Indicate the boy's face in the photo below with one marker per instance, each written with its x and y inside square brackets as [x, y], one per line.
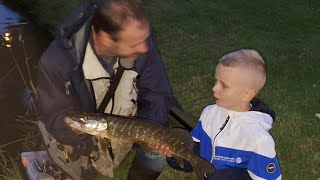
[229, 90]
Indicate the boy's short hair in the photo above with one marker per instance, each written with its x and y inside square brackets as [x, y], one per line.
[250, 60]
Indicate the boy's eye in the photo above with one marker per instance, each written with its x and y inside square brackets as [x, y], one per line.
[224, 85]
[221, 83]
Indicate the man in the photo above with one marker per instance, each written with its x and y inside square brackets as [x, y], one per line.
[95, 43]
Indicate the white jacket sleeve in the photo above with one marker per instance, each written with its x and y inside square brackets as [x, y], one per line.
[264, 163]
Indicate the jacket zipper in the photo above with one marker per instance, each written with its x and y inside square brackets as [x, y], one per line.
[221, 128]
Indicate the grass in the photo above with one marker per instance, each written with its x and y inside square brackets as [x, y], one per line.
[8, 166]
[193, 35]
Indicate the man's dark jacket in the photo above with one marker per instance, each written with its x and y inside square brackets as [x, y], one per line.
[62, 87]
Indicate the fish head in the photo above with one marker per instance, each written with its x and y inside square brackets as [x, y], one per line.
[87, 123]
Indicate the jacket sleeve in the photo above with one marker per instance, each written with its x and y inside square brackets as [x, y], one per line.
[219, 174]
[264, 163]
[155, 96]
[173, 163]
[53, 99]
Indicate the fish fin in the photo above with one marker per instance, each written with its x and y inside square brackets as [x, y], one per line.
[145, 146]
[103, 142]
[184, 137]
[202, 167]
[199, 174]
[179, 160]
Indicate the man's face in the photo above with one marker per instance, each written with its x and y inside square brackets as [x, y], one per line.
[131, 42]
[228, 89]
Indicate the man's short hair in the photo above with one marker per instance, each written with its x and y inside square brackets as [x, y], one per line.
[110, 16]
[248, 59]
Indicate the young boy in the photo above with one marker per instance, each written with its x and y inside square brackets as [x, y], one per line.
[233, 134]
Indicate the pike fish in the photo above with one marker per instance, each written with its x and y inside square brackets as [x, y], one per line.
[141, 131]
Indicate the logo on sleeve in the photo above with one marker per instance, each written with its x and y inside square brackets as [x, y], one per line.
[271, 167]
[238, 160]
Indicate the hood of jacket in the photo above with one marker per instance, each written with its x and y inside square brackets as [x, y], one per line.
[263, 119]
[74, 32]
[259, 113]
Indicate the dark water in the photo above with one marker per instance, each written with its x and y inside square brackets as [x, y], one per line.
[21, 45]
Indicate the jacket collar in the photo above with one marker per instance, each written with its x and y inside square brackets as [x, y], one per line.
[74, 33]
[92, 68]
[263, 119]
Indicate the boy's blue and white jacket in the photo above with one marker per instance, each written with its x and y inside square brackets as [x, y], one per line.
[230, 139]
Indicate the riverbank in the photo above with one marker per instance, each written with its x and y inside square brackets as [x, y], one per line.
[193, 35]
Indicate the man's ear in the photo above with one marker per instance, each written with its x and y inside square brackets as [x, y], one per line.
[100, 34]
[249, 94]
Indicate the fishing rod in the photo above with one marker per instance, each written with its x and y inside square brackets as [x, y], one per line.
[8, 43]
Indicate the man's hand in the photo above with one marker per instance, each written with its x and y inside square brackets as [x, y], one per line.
[163, 150]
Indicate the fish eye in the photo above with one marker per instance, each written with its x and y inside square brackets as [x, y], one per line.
[101, 127]
[90, 124]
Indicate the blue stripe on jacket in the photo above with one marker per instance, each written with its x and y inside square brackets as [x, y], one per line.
[205, 145]
[262, 166]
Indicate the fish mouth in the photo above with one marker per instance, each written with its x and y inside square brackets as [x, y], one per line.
[73, 122]
[85, 124]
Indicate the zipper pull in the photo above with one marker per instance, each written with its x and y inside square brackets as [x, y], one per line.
[67, 87]
[225, 123]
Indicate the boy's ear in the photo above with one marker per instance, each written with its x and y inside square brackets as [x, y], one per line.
[249, 94]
